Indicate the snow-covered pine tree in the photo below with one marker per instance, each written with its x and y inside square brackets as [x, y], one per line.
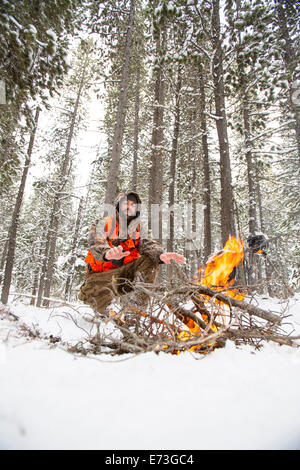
[33, 61]
[13, 230]
[69, 119]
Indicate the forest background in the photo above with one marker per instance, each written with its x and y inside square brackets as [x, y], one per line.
[187, 102]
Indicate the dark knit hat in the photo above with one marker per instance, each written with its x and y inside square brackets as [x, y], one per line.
[132, 197]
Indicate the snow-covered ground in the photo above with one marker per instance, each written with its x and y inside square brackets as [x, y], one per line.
[233, 398]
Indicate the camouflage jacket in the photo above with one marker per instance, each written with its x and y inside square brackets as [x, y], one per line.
[98, 243]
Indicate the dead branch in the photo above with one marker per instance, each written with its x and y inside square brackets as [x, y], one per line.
[242, 305]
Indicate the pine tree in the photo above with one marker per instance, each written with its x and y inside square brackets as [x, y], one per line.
[13, 231]
[121, 112]
[33, 61]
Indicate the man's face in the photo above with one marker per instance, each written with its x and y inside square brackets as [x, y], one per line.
[128, 208]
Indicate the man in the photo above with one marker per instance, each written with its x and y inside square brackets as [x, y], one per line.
[121, 254]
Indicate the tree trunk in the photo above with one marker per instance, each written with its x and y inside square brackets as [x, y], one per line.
[263, 228]
[36, 272]
[45, 263]
[291, 61]
[170, 241]
[155, 186]
[62, 180]
[196, 256]
[259, 200]
[252, 216]
[121, 114]
[35, 286]
[3, 258]
[73, 252]
[252, 223]
[16, 217]
[136, 129]
[206, 171]
[227, 209]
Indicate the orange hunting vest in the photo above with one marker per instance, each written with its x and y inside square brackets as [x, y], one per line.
[130, 244]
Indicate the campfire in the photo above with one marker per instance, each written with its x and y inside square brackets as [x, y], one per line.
[196, 315]
[218, 274]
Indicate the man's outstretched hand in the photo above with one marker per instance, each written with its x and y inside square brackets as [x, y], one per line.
[116, 253]
[166, 257]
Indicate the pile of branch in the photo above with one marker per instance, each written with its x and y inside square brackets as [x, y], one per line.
[183, 316]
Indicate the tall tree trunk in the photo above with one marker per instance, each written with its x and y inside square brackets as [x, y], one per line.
[155, 186]
[227, 208]
[196, 252]
[62, 180]
[193, 253]
[121, 114]
[13, 231]
[262, 228]
[3, 258]
[206, 171]
[136, 129]
[291, 61]
[259, 200]
[36, 272]
[45, 263]
[252, 217]
[250, 171]
[73, 252]
[252, 221]
[35, 285]
[170, 241]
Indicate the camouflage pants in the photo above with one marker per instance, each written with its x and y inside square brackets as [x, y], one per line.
[97, 290]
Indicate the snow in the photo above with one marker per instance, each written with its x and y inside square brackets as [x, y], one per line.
[32, 28]
[233, 398]
[15, 22]
[52, 34]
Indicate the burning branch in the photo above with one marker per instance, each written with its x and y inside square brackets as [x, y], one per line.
[232, 302]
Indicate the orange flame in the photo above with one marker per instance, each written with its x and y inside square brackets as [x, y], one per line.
[194, 331]
[219, 268]
[218, 275]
